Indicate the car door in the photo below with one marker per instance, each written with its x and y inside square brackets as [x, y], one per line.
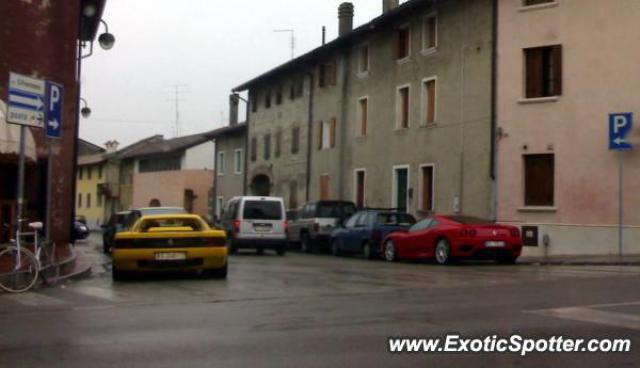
[349, 236]
[417, 239]
[364, 229]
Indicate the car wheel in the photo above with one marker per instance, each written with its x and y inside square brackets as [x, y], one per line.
[305, 243]
[216, 273]
[367, 251]
[260, 251]
[335, 248]
[282, 250]
[390, 253]
[507, 260]
[443, 252]
[117, 275]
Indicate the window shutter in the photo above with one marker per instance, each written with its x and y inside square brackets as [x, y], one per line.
[332, 71]
[534, 67]
[431, 101]
[332, 137]
[320, 134]
[557, 69]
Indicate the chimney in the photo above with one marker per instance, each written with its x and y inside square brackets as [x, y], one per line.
[111, 146]
[345, 16]
[388, 5]
[234, 100]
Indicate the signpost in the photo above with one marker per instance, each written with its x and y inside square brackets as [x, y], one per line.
[620, 125]
[32, 102]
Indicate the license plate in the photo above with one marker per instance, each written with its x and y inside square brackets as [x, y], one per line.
[262, 229]
[168, 256]
[494, 244]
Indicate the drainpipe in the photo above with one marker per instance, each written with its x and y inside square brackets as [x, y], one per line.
[462, 132]
[246, 146]
[309, 134]
[493, 170]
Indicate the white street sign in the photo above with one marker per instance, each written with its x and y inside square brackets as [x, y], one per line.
[26, 100]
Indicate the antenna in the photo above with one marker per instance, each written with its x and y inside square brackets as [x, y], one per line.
[178, 89]
[293, 39]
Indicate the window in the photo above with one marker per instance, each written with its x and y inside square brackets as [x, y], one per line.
[359, 182]
[254, 149]
[400, 198]
[79, 200]
[221, 163]
[297, 88]
[363, 115]
[267, 99]
[267, 146]
[327, 134]
[543, 71]
[89, 170]
[254, 102]
[536, 2]
[327, 74]
[292, 91]
[279, 96]
[295, 140]
[324, 187]
[539, 180]
[278, 143]
[426, 187]
[363, 59]
[430, 33]
[429, 101]
[80, 173]
[237, 161]
[100, 172]
[171, 163]
[99, 200]
[88, 200]
[219, 206]
[402, 107]
[403, 43]
[262, 210]
[293, 194]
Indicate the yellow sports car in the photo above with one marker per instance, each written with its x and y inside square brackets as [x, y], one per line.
[178, 242]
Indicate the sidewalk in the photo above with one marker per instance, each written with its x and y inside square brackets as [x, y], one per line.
[611, 260]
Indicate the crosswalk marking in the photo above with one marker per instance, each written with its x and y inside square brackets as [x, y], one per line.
[34, 299]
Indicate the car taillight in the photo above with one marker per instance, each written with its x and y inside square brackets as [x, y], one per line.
[286, 226]
[468, 232]
[236, 226]
[316, 227]
[376, 236]
[515, 232]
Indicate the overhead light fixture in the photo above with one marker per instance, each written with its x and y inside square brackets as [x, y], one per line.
[89, 10]
[85, 111]
[106, 40]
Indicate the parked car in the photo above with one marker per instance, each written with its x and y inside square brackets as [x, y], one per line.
[364, 231]
[80, 231]
[447, 238]
[176, 242]
[118, 222]
[255, 223]
[317, 221]
[81, 219]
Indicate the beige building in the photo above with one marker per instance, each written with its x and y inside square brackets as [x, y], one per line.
[230, 147]
[564, 66]
[395, 113]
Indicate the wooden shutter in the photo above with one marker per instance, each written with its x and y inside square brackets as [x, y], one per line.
[320, 133]
[431, 101]
[404, 106]
[557, 69]
[364, 107]
[324, 187]
[539, 180]
[533, 72]
[332, 136]
[427, 188]
[432, 29]
[295, 140]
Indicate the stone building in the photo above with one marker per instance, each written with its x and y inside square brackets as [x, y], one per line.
[395, 113]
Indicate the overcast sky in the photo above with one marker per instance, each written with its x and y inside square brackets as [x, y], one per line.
[206, 46]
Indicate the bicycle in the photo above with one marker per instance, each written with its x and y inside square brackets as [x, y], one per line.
[19, 266]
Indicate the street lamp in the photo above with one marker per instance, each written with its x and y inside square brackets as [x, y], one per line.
[85, 111]
[106, 40]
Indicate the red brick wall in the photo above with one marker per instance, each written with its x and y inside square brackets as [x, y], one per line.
[39, 38]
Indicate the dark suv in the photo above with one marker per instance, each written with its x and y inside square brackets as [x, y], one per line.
[316, 221]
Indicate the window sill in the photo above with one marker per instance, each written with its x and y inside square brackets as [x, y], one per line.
[429, 51]
[538, 100]
[399, 129]
[403, 60]
[429, 125]
[538, 209]
[363, 75]
[552, 4]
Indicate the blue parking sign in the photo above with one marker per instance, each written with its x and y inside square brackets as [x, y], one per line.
[620, 125]
[53, 113]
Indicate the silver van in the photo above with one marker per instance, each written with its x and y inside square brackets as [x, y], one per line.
[255, 223]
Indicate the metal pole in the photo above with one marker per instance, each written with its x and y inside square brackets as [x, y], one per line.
[23, 132]
[620, 201]
[49, 187]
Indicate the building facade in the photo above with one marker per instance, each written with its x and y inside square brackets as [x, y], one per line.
[558, 82]
[395, 113]
[230, 148]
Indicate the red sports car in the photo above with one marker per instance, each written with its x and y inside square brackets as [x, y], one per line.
[447, 238]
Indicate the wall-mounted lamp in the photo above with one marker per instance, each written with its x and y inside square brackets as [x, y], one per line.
[106, 40]
[85, 111]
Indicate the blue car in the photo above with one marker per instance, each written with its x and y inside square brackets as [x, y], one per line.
[364, 231]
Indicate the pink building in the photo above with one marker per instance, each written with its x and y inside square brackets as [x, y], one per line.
[563, 67]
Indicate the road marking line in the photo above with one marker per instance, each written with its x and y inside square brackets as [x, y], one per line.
[97, 292]
[584, 314]
[34, 299]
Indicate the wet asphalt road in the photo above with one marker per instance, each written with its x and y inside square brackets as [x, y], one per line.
[317, 311]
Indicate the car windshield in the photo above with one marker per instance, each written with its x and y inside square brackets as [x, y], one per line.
[161, 211]
[262, 210]
[335, 210]
[470, 220]
[397, 219]
[167, 223]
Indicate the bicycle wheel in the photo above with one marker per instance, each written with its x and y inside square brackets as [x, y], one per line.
[14, 277]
